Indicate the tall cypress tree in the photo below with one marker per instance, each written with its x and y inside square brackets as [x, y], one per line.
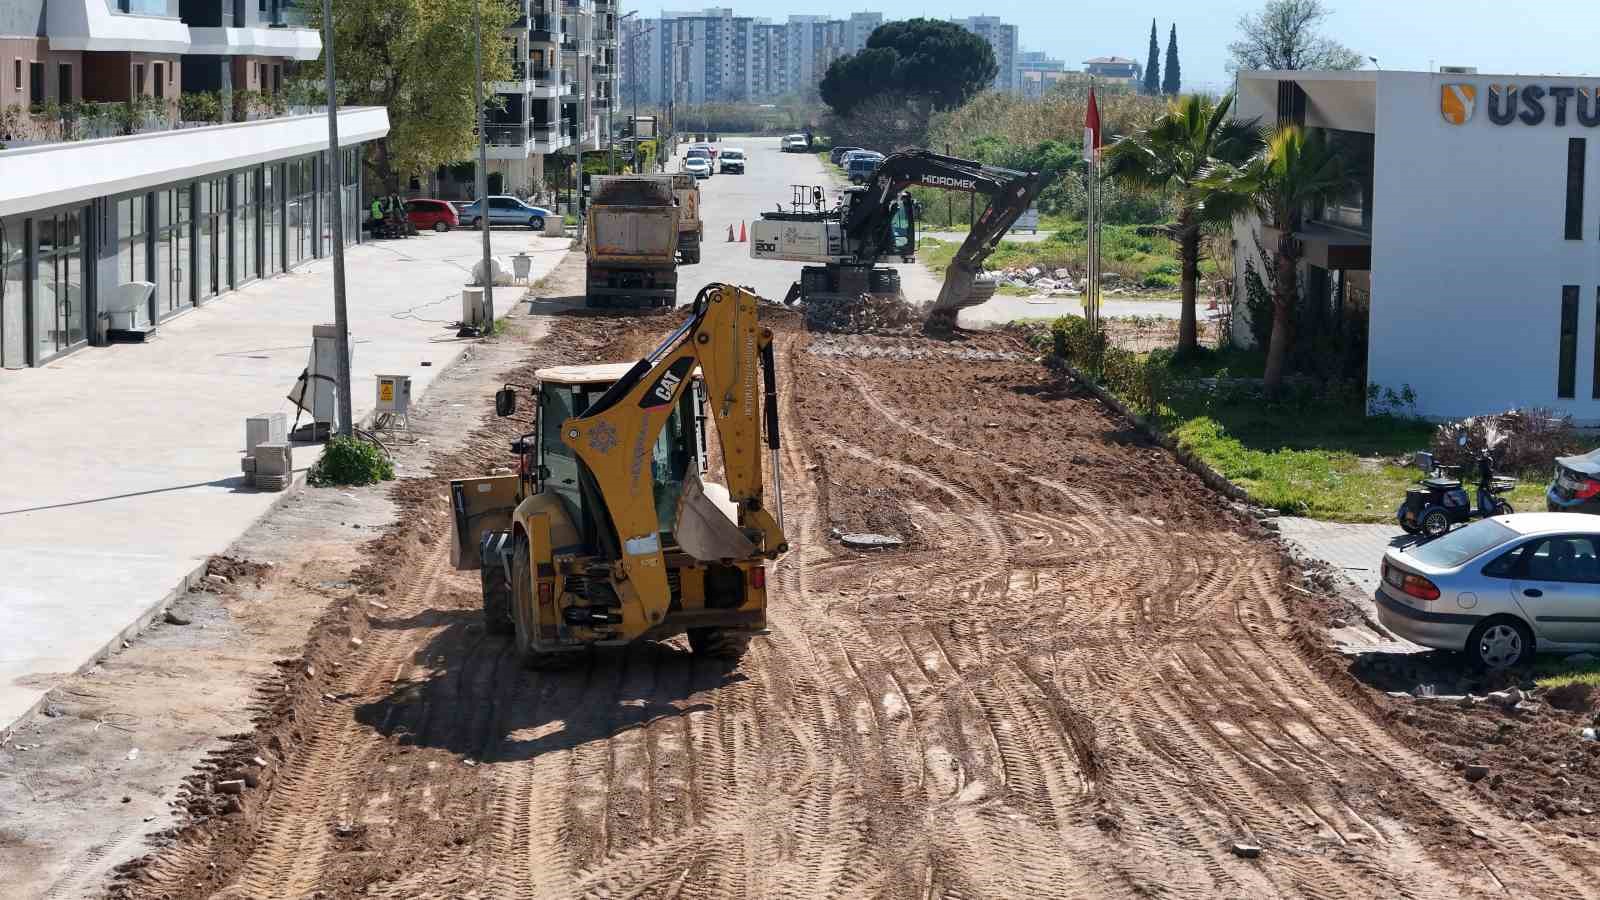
[1152, 69]
[1172, 82]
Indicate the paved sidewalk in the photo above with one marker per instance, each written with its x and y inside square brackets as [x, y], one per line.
[122, 463]
[1356, 552]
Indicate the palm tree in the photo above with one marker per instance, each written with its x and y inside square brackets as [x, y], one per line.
[1172, 157]
[1293, 171]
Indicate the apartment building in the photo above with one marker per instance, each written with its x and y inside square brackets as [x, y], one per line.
[1114, 70]
[121, 205]
[561, 98]
[562, 93]
[1003, 39]
[1038, 71]
[715, 55]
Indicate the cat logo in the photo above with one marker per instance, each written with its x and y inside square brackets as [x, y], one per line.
[1457, 102]
[669, 383]
[662, 392]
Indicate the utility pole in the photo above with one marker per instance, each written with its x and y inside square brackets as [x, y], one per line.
[482, 185]
[341, 315]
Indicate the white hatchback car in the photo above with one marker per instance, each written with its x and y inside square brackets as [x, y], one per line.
[1499, 589]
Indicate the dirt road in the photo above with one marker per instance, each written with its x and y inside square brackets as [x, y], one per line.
[1086, 676]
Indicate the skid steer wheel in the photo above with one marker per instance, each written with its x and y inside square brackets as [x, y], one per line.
[524, 616]
[496, 600]
[718, 643]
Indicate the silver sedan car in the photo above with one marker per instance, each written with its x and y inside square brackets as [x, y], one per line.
[1499, 589]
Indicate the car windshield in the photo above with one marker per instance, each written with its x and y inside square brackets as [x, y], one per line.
[1455, 548]
[733, 154]
[698, 153]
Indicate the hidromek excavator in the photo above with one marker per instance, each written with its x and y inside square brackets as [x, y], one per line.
[606, 533]
[879, 220]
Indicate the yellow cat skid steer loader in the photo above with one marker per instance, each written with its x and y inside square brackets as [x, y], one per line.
[606, 533]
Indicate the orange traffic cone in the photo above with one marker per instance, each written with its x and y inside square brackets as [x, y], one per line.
[743, 237]
[730, 233]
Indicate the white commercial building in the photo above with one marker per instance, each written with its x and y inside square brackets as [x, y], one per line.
[1471, 235]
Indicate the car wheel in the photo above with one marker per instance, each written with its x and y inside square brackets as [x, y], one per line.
[441, 226]
[1500, 643]
[475, 223]
[536, 223]
[1434, 523]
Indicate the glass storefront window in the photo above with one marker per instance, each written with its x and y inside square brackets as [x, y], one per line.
[172, 248]
[13, 293]
[58, 301]
[272, 219]
[245, 261]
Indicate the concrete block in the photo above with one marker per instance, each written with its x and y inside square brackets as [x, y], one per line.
[264, 427]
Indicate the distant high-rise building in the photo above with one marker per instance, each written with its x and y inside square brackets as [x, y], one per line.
[1003, 38]
[714, 55]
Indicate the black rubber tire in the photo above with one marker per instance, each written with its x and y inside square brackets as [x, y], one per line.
[718, 643]
[496, 600]
[441, 226]
[1434, 522]
[1503, 508]
[1408, 529]
[1493, 632]
[475, 222]
[536, 223]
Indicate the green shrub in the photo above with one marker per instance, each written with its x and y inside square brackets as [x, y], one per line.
[200, 106]
[349, 460]
[1160, 280]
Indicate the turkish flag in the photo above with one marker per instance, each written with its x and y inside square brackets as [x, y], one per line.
[1091, 126]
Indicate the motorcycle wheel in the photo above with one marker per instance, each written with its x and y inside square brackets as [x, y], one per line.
[1408, 528]
[1434, 522]
[1503, 508]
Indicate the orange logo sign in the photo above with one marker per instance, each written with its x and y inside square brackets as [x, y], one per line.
[1457, 102]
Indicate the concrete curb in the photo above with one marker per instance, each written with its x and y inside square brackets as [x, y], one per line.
[1213, 479]
[198, 573]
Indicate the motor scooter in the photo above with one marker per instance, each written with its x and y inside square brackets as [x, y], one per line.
[1439, 502]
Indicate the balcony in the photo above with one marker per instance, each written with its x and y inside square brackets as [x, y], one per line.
[298, 43]
[600, 70]
[545, 28]
[506, 141]
[53, 124]
[55, 173]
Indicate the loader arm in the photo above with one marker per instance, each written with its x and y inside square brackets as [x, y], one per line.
[1010, 194]
[613, 440]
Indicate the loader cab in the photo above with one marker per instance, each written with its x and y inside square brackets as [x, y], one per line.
[568, 391]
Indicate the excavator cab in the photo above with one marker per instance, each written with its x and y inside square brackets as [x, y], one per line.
[903, 228]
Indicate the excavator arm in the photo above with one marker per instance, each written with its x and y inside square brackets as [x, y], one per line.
[614, 439]
[1010, 194]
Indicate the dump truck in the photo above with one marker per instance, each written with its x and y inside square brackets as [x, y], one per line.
[691, 231]
[606, 532]
[632, 241]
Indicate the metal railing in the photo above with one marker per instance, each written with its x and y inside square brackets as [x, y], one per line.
[93, 121]
[505, 135]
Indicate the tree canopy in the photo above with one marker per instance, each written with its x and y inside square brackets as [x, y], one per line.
[939, 64]
[1285, 35]
[415, 58]
[1172, 81]
[1152, 66]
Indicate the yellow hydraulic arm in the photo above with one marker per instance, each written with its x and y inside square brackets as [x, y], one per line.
[615, 436]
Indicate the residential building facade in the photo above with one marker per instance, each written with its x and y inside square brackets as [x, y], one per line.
[561, 99]
[1038, 71]
[121, 204]
[1003, 39]
[1468, 233]
[1115, 70]
[714, 55]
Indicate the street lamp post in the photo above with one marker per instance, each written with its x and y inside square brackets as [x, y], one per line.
[482, 180]
[341, 315]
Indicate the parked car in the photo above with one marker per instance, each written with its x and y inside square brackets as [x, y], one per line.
[701, 152]
[795, 143]
[1498, 589]
[436, 214]
[504, 210]
[1576, 487]
[837, 154]
[731, 160]
[860, 165]
[698, 166]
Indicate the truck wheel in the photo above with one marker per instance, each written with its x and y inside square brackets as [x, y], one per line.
[496, 600]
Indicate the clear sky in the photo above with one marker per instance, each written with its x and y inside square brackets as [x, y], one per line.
[1557, 37]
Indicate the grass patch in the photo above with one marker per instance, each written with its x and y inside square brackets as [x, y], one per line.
[1141, 261]
[1549, 672]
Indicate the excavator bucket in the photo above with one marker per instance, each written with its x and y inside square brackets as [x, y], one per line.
[963, 287]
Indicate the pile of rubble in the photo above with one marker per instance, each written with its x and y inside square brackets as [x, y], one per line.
[865, 314]
[1056, 283]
